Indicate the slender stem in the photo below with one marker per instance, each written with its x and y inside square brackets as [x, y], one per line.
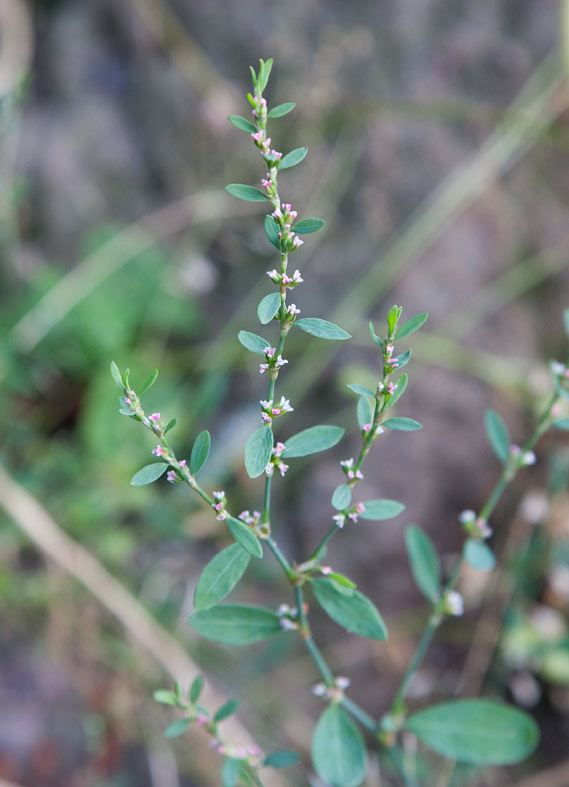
[281, 560]
[422, 647]
[358, 713]
[311, 646]
[318, 551]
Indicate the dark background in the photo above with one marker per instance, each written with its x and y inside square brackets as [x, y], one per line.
[438, 155]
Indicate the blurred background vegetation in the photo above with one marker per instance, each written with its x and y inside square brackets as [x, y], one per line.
[438, 154]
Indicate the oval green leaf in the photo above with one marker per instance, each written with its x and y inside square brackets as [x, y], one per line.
[236, 624]
[342, 497]
[476, 732]
[258, 451]
[272, 232]
[322, 329]
[364, 412]
[479, 555]
[116, 375]
[312, 440]
[293, 158]
[374, 336]
[268, 307]
[354, 612]
[242, 123]
[338, 750]
[497, 435]
[402, 424]
[148, 382]
[177, 728]
[381, 509]
[306, 226]
[403, 359]
[200, 452]
[281, 109]
[424, 561]
[149, 473]
[362, 390]
[411, 325]
[247, 193]
[281, 759]
[230, 772]
[399, 391]
[196, 688]
[244, 537]
[226, 710]
[220, 576]
[252, 342]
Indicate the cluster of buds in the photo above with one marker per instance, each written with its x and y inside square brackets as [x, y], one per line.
[452, 603]
[390, 363]
[288, 617]
[522, 458]
[348, 513]
[271, 410]
[219, 505]
[252, 755]
[276, 461]
[390, 388]
[160, 451]
[173, 476]
[272, 363]
[284, 279]
[251, 519]
[260, 110]
[334, 693]
[474, 527]
[366, 429]
[270, 155]
[348, 468]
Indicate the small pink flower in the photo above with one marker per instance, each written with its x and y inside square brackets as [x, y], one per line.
[155, 417]
[270, 351]
[171, 476]
[360, 508]
[257, 136]
[276, 214]
[276, 277]
[292, 310]
[325, 570]
[263, 367]
[266, 183]
[277, 155]
[127, 401]
[297, 242]
[287, 206]
[182, 463]
[158, 451]
[280, 361]
[282, 468]
[339, 519]
[265, 418]
[296, 277]
[366, 428]
[279, 448]
[391, 388]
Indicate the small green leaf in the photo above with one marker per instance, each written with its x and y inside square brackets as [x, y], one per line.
[393, 316]
[258, 451]
[281, 759]
[341, 583]
[424, 561]
[476, 732]
[322, 329]
[226, 710]
[338, 750]
[381, 509]
[196, 688]
[497, 435]
[403, 359]
[252, 342]
[364, 412]
[220, 576]
[374, 336]
[354, 612]
[200, 452]
[479, 555]
[411, 325]
[247, 193]
[242, 123]
[116, 375]
[165, 697]
[306, 226]
[244, 537]
[281, 109]
[312, 440]
[236, 624]
[268, 307]
[265, 67]
[177, 728]
[272, 232]
[293, 158]
[149, 473]
[402, 424]
[342, 497]
[148, 382]
[561, 423]
[171, 424]
[230, 772]
[399, 391]
[362, 390]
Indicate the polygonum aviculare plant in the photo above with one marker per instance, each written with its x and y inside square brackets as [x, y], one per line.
[473, 731]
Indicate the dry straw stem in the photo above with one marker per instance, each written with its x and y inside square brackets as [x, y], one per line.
[34, 520]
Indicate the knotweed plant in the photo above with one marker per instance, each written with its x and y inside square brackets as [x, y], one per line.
[472, 731]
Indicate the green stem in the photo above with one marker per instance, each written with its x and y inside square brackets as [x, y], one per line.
[317, 657]
[360, 715]
[282, 560]
[317, 552]
[428, 634]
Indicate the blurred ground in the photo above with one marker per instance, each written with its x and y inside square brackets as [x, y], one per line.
[438, 142]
